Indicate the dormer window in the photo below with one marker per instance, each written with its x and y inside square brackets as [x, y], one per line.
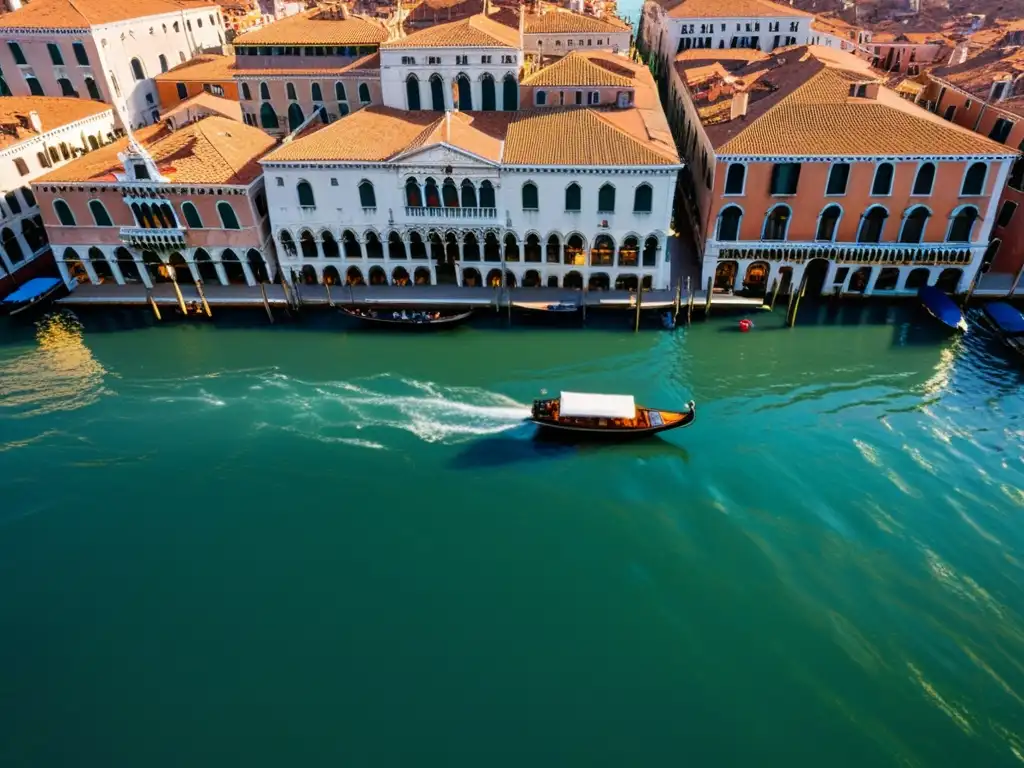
[141, 171]
[999, 90]
[859, 90]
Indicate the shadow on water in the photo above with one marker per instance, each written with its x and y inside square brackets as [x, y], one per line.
[525, 446]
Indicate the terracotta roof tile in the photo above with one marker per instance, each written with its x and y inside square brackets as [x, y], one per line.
[208, 68]
[476, 31]
[727, 9]
[563, 21]
[977, 74]
[81, 14]
[721, 54]
[214, 150]
[206, 103]
[800, 104]
[315, 28]
[53, 112]
[579, 69]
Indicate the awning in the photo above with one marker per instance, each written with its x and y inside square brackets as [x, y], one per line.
[581, 404]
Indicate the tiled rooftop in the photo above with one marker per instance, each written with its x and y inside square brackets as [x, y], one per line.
[81, 14]
[557, 21]
[368, 63]
[727, 9]
[476, 31]
[207, 68]
[214, 150]
[53, 112]
[204, 104]
[317, 27]
[800, 104]
[585, 69]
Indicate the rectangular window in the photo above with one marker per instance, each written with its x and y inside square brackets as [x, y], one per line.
[1001, 130]
[593, 97]
[485, 59]
[579, 97]
[838, 176]
[334, 182]
[1006, 213]
[21, 165]
[508, 59]
[55, 55]
[279, 181]
[409, 60]
[16, 52]
[433, 59]
[462, 60]
[785, 178]
[569, 42]
[80, 54]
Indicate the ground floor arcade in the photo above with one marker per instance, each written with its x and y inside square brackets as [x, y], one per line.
[121, 265]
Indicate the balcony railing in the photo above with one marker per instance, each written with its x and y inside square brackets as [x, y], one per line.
[860, 253]
[153, 239]
[451, 213]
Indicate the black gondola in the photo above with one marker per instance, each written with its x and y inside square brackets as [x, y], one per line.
[1008, 322]
[418, 319]
[577, 416]
[34, 293]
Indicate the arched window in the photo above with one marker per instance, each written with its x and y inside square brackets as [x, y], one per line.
[433, 194]
[735, 178]
[55, 54]
[729, 223]
[882, 185]
[914, 224]
[182, 91]
[468, 194]
[488, 100]
[449, 194]
[367, 198]
[99, 214]
[16, 52]
[486, 195]
[776, 223]
[413, 196]
[540, 98]
[871, 225]
[509, 93]
[606, 199]
[339, 91]
[962, 225]
[64, 214]
[268, 118]
[66, 89]
[643, 199]
[974, 180]
[34, 86]
[436, 93]
[306, 198]
[573, 197]
[289, 89]
[364, 94]
[12, 202]
[246, 95]
[192, 217]
[531, 200]
[264, 92]
[412, 93]
[137, 72]
[94, 91]
[315, 93]
[828, 222]
[925, 180]
[295, 117]
[228, 219]
[163, 63]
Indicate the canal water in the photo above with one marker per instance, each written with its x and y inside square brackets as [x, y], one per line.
[307, 546]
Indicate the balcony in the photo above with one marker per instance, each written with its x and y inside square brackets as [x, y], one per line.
[448, 214]
[153, 239]
[842, 252]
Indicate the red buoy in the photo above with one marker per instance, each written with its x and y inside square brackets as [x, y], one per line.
[745, 325]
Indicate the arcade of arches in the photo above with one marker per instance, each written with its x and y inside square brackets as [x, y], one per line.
[227, 266]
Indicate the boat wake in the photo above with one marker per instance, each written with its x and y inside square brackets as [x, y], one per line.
[343, 411]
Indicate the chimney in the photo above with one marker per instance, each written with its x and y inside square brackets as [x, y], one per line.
[738, 106]
[35, 122]
[959, 55]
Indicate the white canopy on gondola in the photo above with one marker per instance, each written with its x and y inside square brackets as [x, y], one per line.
[583, 405]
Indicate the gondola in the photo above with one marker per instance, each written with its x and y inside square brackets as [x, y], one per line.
[942, 308]
[1008, 323]
[578, 416]
[418, 319]
[32, 294]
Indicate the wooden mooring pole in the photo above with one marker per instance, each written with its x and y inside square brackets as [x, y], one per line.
[181, 299]
[707, 302]
[689, 302]
[1016, 282]
[202, 298]
[775, 293]
[971, 287]
[266, 303]
[675, 311]
[639, 304]
[584, 305]
[330, 300]
[508, 298]
[152, 303]
[794, 305]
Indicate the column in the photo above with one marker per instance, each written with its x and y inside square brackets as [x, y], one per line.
[190, 260]
[741, 272]
[63, 269]
[143, 270]
[830, 278]
[90, 270]
[249, 279]
[5, 261]
[221, 274]
[115, 268]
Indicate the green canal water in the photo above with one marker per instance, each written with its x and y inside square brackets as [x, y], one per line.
[308, 546]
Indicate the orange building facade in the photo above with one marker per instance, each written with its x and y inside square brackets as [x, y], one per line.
[806, 170]
[209, 73]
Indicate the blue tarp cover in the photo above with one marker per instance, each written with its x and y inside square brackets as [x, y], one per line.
[33, 289]
[1007, 317]
[940, 305]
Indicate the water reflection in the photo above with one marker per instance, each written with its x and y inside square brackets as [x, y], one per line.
[523, 445]
[58, 374]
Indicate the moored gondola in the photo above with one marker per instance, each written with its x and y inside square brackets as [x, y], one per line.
[418, 319]
[942, 308]
[1008, 323]
[578, 415]
[36, 292]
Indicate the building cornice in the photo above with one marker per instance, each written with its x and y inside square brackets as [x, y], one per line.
[364, 74]
[143, 189]
[43, 138]
[664, 170]
[859, 158]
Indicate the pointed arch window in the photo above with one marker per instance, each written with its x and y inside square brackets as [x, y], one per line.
[55, 55]
[828, 222]
[573, 197]
[643, 199]
[64, 214]
[436, 93]
[99, 214]
[305, 191]
[449, 194]
[925, 180]
[264, 92]
[163, 63]
[776, 223]
[486, 195]
[468, 194]
[433, 194]
[228, 219]
[913, 226]
[509, 93]
[488, 101]
[268, 118]
[531, 201]
[246, 94]
[412, 93]
[974, 180]
[871, 225]
[289, 89]
[315, 93]
[962, 226]
[367, 197]
[94, 91]
[137, 71]
[364, 94]
[882, 185]
[413, 195]
[81, 56]
[192, 217]
[606, 199]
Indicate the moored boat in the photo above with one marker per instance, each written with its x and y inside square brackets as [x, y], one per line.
[579, 415]
[420, 319]
[942, 308]
[33, 293]
[1008, 322]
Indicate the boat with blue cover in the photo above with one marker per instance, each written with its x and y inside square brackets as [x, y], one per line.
[942, 308]
[33, 293]
[1008, 323]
